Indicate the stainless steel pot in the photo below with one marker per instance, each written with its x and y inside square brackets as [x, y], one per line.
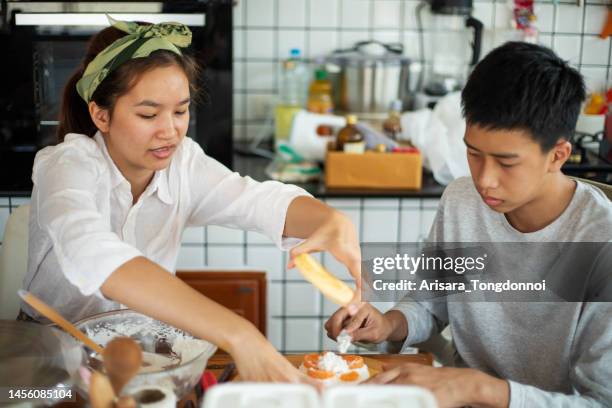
[369, 77]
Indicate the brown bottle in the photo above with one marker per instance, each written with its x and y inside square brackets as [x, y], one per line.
[392, 125]
[347, 132]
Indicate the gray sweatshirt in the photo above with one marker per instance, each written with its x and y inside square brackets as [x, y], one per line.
[553, 354]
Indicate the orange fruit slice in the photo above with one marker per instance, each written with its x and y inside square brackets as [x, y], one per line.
[354, 361]
[319, 374]
[350, 376]
[311, 360]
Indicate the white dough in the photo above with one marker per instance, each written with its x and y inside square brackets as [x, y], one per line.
[344, 341]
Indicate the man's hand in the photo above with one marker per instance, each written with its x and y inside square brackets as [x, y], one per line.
[452, 387]
[368, 324]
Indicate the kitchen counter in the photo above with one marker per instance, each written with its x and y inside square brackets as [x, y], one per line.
[255, 167]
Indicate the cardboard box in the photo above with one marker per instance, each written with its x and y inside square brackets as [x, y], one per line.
[373, 170]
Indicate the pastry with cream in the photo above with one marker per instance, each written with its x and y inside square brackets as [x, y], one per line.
[330, 368]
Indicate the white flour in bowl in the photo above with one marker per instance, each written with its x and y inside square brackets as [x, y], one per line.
[148, 333]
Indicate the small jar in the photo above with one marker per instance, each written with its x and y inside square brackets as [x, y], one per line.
[153, 396]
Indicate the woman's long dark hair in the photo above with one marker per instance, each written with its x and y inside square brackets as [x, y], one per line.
[74, 113]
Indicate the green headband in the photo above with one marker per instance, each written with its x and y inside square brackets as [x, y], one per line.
[141, 41]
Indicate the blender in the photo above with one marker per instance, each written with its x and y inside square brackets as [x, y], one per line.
[453, 40]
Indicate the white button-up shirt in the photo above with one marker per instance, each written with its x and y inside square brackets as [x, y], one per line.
[83, 225]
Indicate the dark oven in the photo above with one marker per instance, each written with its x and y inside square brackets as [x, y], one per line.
[43, 42]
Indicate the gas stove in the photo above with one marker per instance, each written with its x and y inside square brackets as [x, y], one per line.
[591, 157]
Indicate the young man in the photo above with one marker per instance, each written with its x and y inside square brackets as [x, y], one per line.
[521, 105]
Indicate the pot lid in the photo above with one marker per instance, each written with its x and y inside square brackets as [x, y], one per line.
[370, 53]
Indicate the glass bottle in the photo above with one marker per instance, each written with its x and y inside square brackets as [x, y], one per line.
[348, 132]
[319, 94]
[292, 95]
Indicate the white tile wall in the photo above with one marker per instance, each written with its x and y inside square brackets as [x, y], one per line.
[355, 14]
[289, 39]
[380, 225]
[568, 47]
[190, 257]
[292, 13]
[427, 218]
[260, 13]
[225, 256]
[269, 259]
[545, 22]
[256, 238]
[595, 51]
[265, 31]
[261, 76]
[410, 225]
[595, 19]
[260, 44]
[569, 19]
[275, 333]
[17, 201]
[194, 235]
[388, 14]
[335, 267]
[302, 334]
[303, 299]
[323, 13]
[223, 235]
[275, 299]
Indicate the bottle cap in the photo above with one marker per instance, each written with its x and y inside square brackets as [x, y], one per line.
[320, 74]
[295, 52]
[396, 105]
[351, 119]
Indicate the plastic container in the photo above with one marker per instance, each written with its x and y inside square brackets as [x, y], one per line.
[292, 95]
[320, 93]
[261, 395]
[389, 396]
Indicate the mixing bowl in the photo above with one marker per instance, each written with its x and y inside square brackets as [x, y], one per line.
[188, 356]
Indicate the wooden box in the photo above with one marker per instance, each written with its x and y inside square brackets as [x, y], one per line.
[374, 170]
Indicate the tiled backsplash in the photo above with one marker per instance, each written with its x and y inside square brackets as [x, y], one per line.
[296, 310]
[266, 30]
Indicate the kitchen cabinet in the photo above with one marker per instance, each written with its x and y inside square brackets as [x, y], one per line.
[243, 292]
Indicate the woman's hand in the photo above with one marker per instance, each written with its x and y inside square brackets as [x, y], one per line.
[257, 360]
[452, 387]
[337, 235]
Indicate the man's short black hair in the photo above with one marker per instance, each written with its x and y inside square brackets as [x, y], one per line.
[521, 86]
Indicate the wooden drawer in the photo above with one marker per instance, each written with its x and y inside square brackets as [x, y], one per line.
[242, 292]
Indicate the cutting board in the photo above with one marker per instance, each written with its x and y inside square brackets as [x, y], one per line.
[217, 363]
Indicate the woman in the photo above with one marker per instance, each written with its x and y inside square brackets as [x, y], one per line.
[111, 201]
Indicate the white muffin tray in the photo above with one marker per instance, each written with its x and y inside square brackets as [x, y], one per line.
[263, 395]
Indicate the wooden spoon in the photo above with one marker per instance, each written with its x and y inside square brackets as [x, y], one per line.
[101, 394]
[53, 315]
[122, 360]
